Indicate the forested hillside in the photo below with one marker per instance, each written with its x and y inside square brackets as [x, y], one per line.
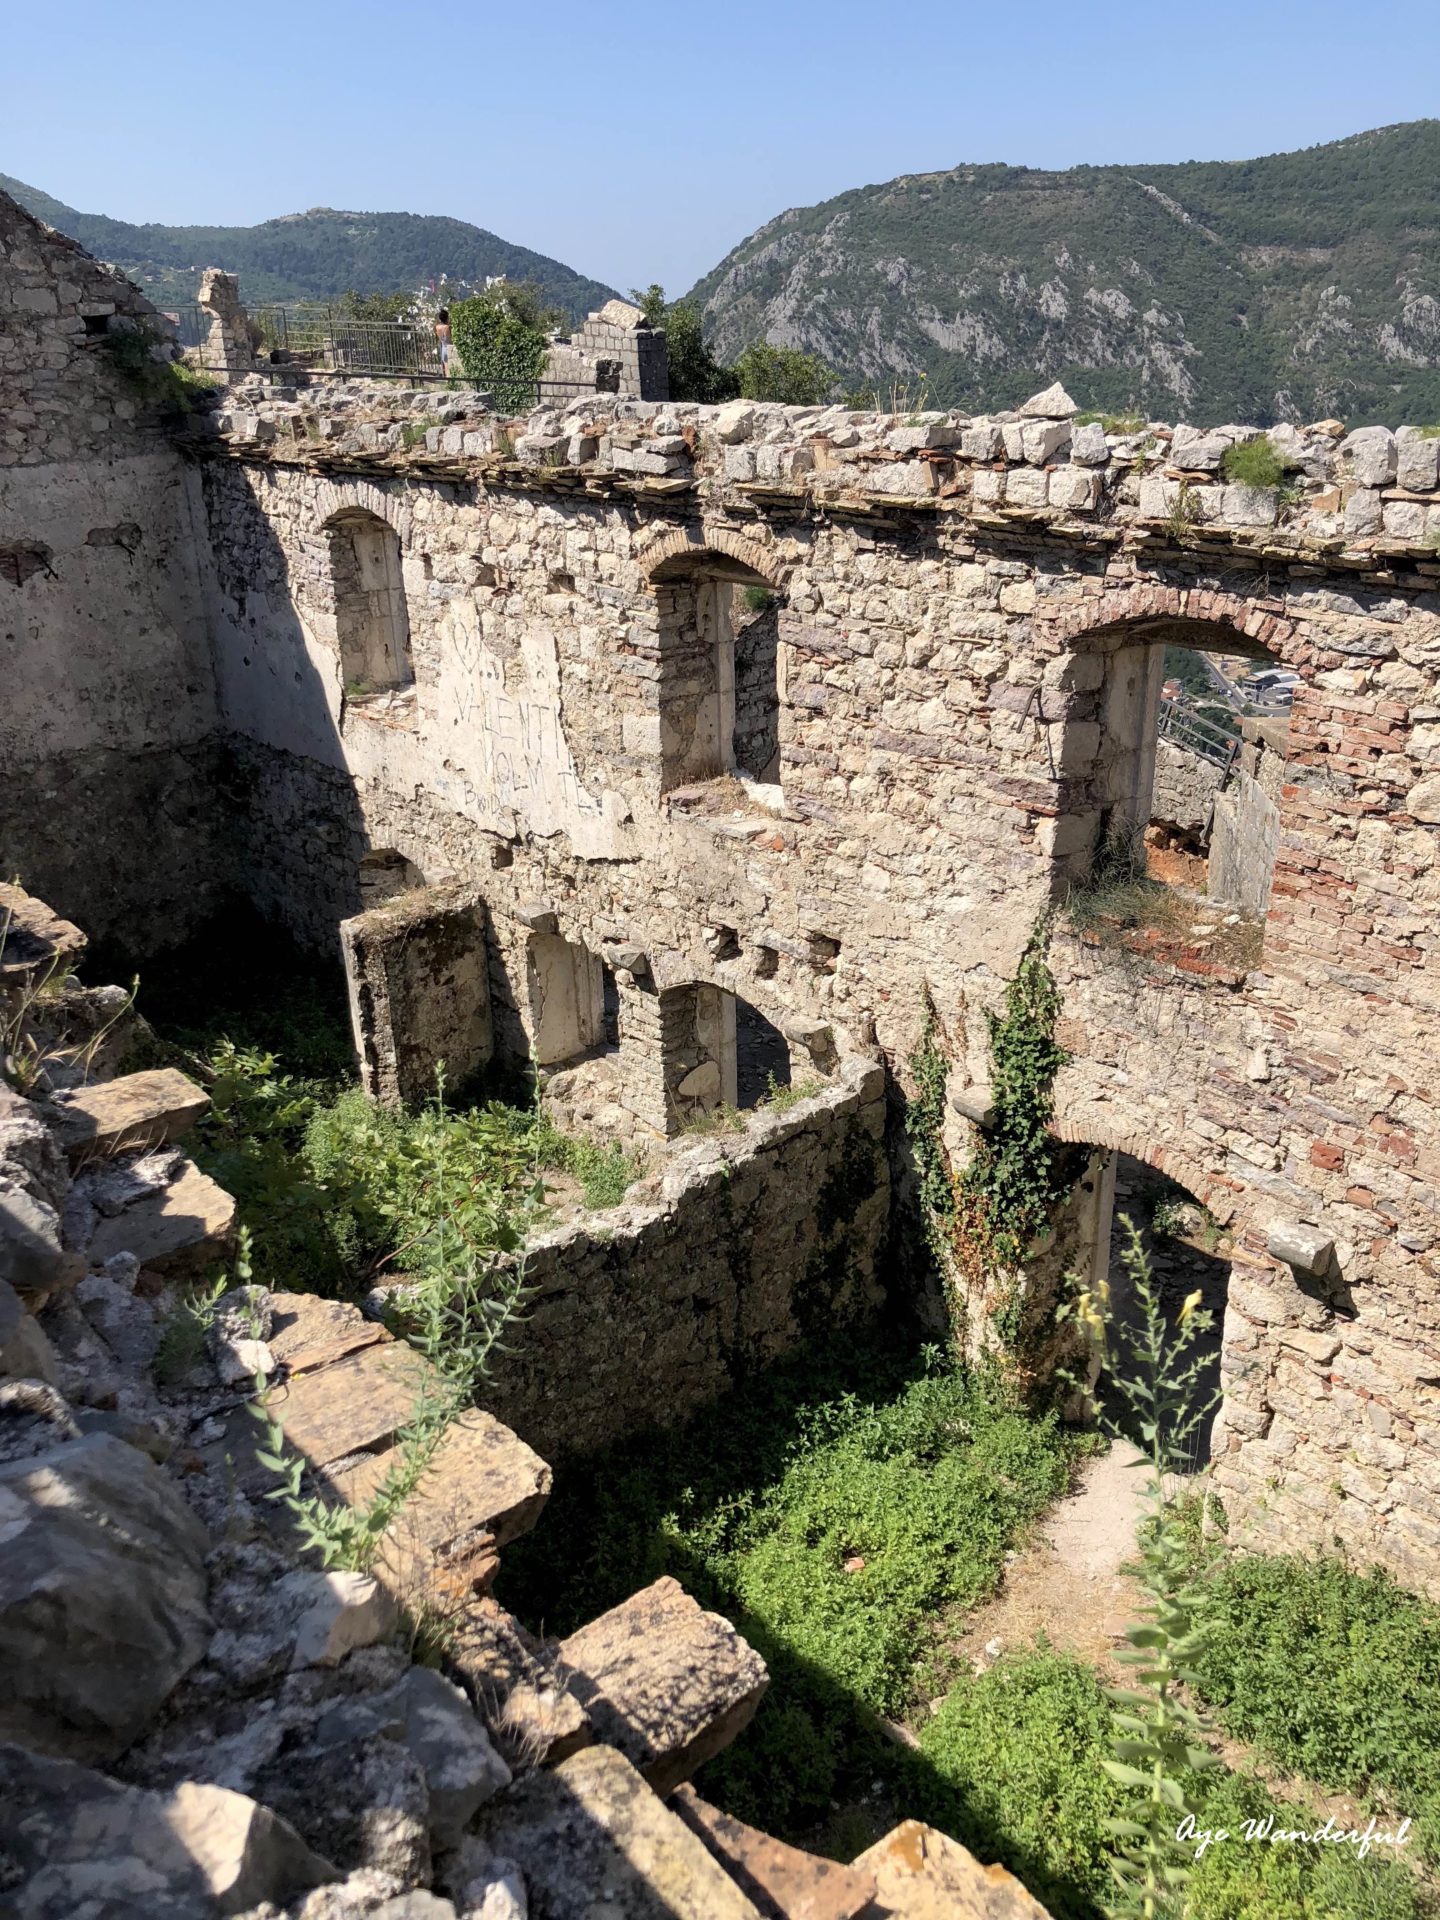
[313, 255]
[1295, 286]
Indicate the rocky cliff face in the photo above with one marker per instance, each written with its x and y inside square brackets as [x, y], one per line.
[1283, 288]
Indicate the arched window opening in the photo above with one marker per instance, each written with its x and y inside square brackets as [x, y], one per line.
[1177, 821]
[720, 677]
[385, 875]
[371, 621]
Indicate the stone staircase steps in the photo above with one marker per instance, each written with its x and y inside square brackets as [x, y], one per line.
[136, 1111]
[665, 1682]
[782, 1881]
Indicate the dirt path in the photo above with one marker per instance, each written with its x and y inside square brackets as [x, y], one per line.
[1068, 1583]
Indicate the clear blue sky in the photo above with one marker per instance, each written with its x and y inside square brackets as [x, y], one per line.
[642, 142]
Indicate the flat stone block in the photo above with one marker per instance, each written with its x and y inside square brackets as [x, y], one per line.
[591, 1838]
[483, 1481]
[778, 1878]
[139, 1110]
[666, 1682]
[921, 1874]
[183, 1229]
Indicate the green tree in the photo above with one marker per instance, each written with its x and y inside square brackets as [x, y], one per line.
[695, 373]
[502, 336]
[786, 374]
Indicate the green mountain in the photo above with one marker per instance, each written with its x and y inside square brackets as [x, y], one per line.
[1292, 287]
[313, 255]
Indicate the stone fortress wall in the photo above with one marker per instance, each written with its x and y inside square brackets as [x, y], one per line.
[966, 616]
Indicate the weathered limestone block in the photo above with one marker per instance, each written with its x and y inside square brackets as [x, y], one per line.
[1026, 488]
[1310, 1249]
[36, 942]
[984, 440]
[914, 477]
[778, 1878]
[591, 1834]
[1417, 463]
[517, 1686]
[1244, 506]
[1041, 440]
[1053, 404]
[79, 1843]
[137, 1111]
[102, 1596]
[1364, 513]
[665, 1682]
[1372, 454]
[921, 1874]
[431, 1717]
[1074, 490]
[484, 1488]
[1199, 451]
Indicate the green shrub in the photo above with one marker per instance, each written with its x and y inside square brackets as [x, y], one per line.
[1334, 1674]
[1254, 463]
[785, 374]
[1016, 1772]
[502, 337]
[832, 1524]
[1019, 1757]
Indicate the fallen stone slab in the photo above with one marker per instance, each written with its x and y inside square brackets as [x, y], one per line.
[139, 1110]
[784, 1882]
[307, 1332]
[354, 1405]
[921, 1874]
[35, 942]
[102, 1596]
[78, 1843]
[483, 1488]
[182, 1230]
[591, 1837]
[518, 1688]
[665, 1682]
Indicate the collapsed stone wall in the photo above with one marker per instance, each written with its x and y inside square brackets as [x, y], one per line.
[744, 1248]
[108, 713]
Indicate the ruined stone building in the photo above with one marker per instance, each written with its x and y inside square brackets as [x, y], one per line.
[691, 750]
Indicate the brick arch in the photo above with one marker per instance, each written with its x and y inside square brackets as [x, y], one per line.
[1080, 1126]
[680, 548]
[1257, 621]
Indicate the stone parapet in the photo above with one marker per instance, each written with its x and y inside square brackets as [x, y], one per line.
[1350, 498]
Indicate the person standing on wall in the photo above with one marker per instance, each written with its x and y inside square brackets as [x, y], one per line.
[442, 334]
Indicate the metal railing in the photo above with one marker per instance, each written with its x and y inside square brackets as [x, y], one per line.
[322, 339]
[1191, 731]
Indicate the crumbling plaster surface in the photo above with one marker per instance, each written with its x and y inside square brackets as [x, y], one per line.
[108, 706]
